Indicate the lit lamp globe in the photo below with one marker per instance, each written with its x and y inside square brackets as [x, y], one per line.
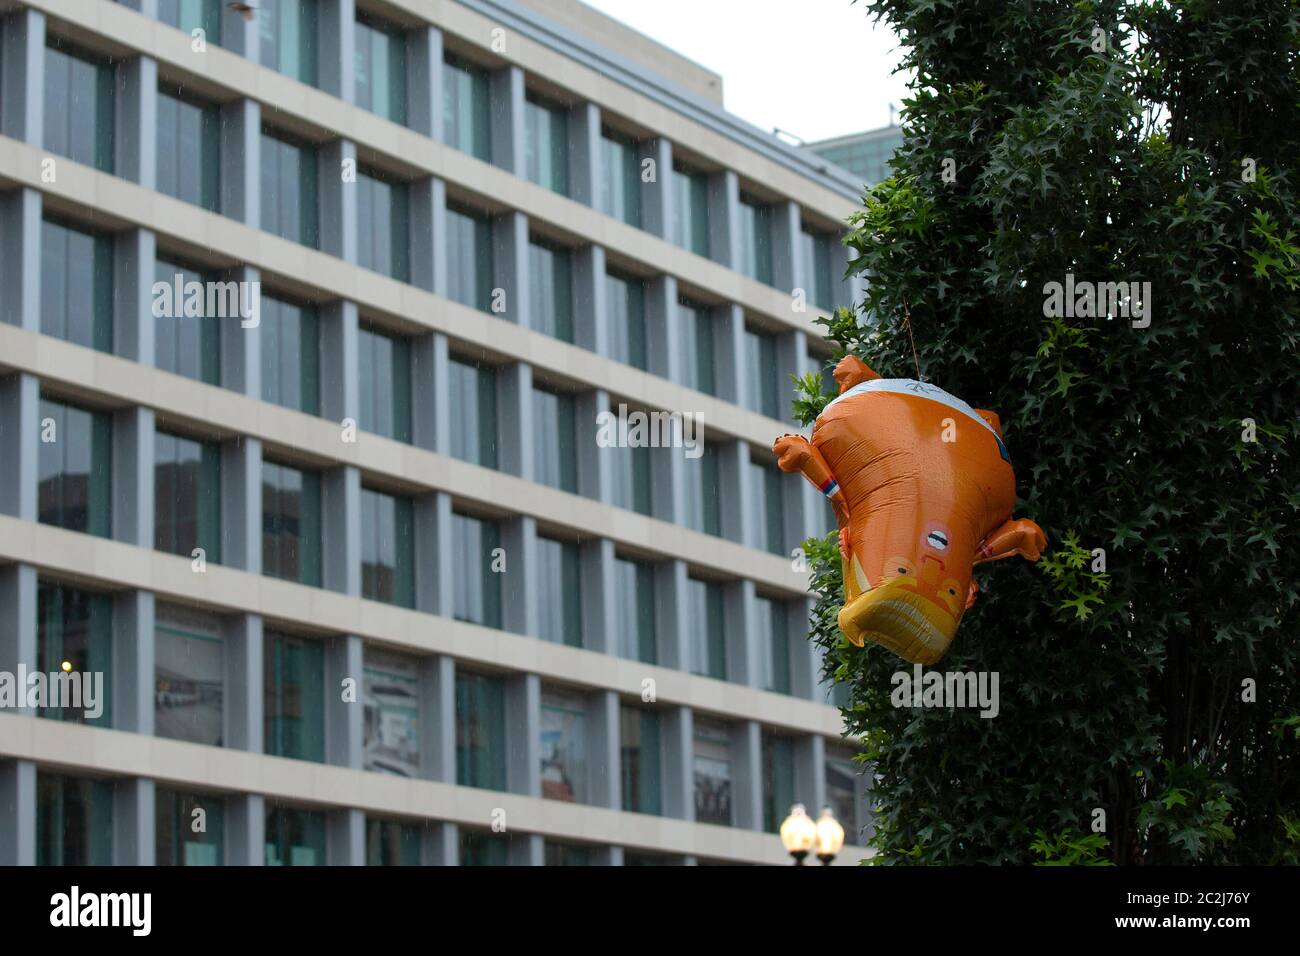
[798, 833]
[830, 836]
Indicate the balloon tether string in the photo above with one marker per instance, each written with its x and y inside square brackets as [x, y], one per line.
[907, 320]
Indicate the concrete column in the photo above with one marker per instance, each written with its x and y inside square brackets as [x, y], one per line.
[133, 662]
[424, 81]
[135, 133]
[520, 605]
[523, 693]
[724, 218]
[747, 775]
[434, 555]
[345, 837]
[343, 719]
[595, 464]
[737, 491]
[428, 198]
[438, 719]
[854, 288]
[599, 596]
[678, 734]
[673, 614]
[607, 856]
[791, 359]
[787, 259]
[664, 352]
[431, 393]
[132, 482]
[134, 822]
[656, 189]
[731, 364]
[527, 849]
[515, 420]
[805, 666]
[590, 308]
[341, 531]
[241, 504]
[241, 346]
[584, 154]
[241, 155]
[240, 36]
[605, 782]
[134, 264]
[796, 519]
[20, 256]
[810, 775]
[506, 94]
[18, 823]
[440, 844]
[243, 718]
[338, 199]
[340, 374]
[336, 28]
[22, 82]
[245, 830]
[510, 266]
[20, 426]
[742, 652]
[18, 590]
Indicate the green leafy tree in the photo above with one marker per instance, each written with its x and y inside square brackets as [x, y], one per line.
[1145, 660]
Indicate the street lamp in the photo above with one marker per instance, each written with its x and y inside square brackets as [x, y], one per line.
[798, 833]
[830, 836]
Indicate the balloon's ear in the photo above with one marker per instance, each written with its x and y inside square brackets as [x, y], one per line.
[991, 418]
[851, 371]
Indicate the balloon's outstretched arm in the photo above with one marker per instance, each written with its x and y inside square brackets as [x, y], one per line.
[796, 453]
[1018, 537]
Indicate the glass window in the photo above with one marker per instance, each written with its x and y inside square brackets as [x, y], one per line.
[625, 300]
[189, 149]
[708, 635]
[385, 364]
[766, 502]
[696, 343]
[702, 492]
[387, 548]
[76, 627]
[290, 523]
[559, 591]
[381, 68]
[189, 675]
[191, 15]
[555, 451]
[79, 105]
[755, 226]
[294, 697]
[482, 848]
[620, 193]
[289, 208]
[392, 712]
[480, 732]
[815, 249]
[634, 583]
[564, 745]
[287, 31]
[189, 828]
[772, 644]
[474, 426]
[546, 143]
[469, 258]
[383, 225]
[712, 771]
[778, 779]
[631, 477]
[74, 821]
[392, 843]
[465, 107]
[77, 285]
[690, 209]
[842, 792]
[186, 343]
[76, 468]
[478, 587]
[290, 354]
[294, 837]
[639, 751]
[567, 854]
[551, 289]
[760, 357]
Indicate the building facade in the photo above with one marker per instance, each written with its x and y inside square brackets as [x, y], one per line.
[311, 317]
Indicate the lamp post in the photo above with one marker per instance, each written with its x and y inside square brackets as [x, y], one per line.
[800, 834]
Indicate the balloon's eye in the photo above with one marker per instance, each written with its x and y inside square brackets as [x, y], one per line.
[902, 570]
[952, 592]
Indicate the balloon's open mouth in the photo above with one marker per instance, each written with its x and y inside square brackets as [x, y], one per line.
[901, 621]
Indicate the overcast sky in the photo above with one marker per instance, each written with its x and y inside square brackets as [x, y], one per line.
[815, 68]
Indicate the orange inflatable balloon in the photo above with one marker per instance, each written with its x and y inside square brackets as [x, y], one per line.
[922, 488]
